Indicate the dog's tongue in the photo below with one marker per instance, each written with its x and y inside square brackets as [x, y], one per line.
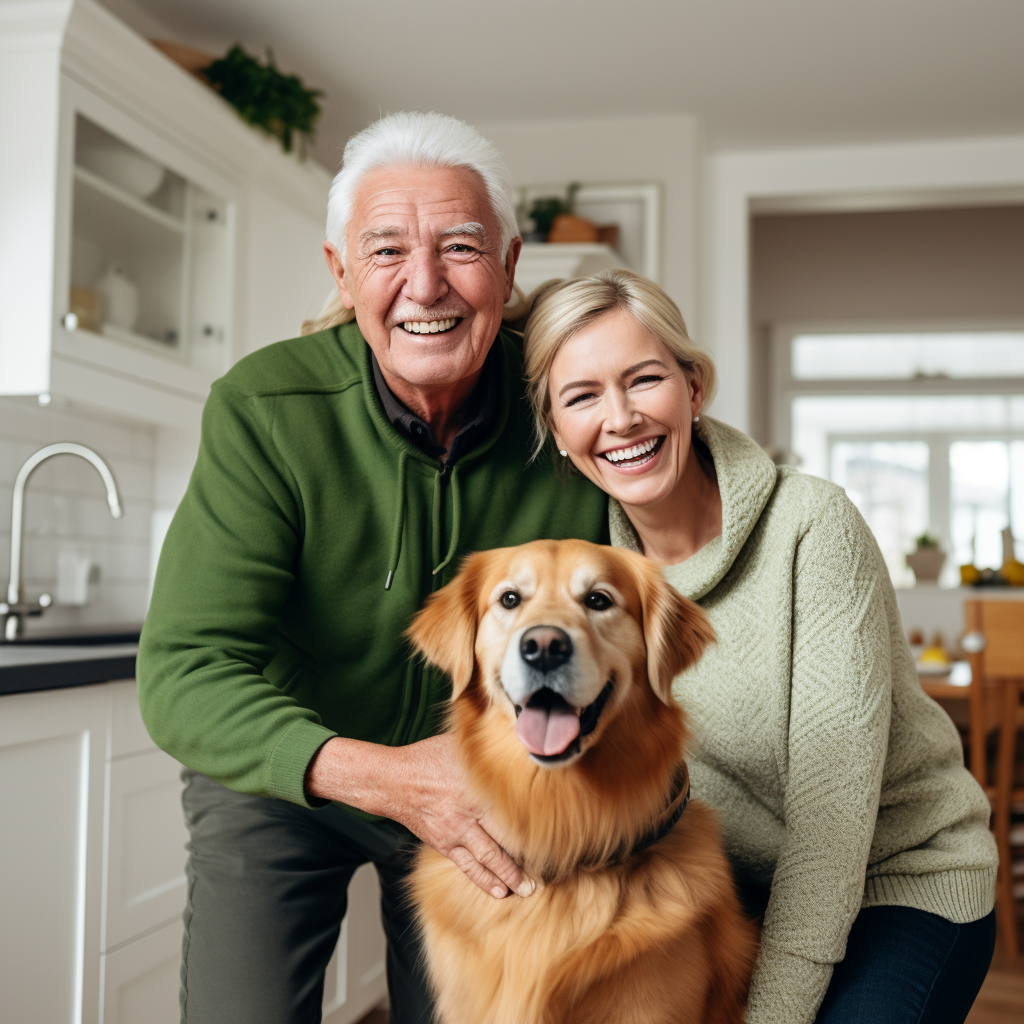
[547, 730]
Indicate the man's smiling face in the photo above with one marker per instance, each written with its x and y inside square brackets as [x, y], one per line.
[425, 273]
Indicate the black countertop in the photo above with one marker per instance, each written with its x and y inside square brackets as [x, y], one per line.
[55, 665]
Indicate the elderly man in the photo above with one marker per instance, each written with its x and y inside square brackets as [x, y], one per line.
[340, 478]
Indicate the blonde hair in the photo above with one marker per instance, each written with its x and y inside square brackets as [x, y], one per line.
[332, 313]
[563, 308]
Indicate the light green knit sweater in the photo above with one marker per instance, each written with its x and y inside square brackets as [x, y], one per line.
[836, 780]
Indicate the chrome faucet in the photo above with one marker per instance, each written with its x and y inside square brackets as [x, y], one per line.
[13, 610]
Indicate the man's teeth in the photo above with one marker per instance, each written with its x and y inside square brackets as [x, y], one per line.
[430, 327]
[622, 454]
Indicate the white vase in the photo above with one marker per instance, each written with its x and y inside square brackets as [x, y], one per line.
[926, 564]
[120, 298]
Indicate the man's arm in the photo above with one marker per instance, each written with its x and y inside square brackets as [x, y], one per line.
[226, 571]
[420, 786]
[225, 574]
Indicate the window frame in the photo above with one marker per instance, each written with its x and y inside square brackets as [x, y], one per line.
[783, 388]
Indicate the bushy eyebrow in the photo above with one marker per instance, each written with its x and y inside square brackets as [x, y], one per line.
[625, 373]
[472, 228]
[375, 234]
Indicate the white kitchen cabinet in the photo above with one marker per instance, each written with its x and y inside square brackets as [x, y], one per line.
[139, 982]
[52, 753]
[147, 278]
[144, 876]
[92, 857]
[132, 208]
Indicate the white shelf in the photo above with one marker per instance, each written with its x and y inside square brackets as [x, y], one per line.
[104, 187]
[542, 261]
[167, 348]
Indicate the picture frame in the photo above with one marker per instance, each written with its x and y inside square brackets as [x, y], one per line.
[635, 207]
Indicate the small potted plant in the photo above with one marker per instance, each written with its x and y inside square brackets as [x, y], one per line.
[927, 559]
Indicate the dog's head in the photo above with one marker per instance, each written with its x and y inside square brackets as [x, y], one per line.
[560, 636]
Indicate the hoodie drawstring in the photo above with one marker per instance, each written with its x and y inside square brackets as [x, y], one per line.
[456, 520]
[399, 527]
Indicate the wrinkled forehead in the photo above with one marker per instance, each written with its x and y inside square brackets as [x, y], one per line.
[403, 194]
[557, 573]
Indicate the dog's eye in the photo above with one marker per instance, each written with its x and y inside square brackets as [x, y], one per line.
[597, 601]
[510, 599]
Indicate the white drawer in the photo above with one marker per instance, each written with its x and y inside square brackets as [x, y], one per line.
[127, 733]
[139, 982]
[145, 856]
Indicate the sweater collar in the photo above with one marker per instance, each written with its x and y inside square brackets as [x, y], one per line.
[746, 479]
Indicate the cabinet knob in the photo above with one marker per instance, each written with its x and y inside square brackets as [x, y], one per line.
[71, 321]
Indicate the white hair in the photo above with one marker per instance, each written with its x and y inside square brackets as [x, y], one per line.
[419, 140]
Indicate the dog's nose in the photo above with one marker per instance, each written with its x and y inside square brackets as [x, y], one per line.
[545, 648]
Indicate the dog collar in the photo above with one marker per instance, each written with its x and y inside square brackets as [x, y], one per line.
[676, 806]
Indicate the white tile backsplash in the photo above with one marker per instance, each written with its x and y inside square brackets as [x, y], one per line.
[66, 510]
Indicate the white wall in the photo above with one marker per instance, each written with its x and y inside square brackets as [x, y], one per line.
[66, 510]
[287, 277]
[665, 149]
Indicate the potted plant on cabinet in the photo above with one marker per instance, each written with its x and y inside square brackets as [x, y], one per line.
[927, 558]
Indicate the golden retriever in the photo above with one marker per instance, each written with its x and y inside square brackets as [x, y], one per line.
[562, 656]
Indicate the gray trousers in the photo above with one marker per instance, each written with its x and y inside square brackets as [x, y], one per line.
[267, 884]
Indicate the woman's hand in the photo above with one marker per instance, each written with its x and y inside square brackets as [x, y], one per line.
[422, 787]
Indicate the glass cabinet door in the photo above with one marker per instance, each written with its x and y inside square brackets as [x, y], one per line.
[150, 254]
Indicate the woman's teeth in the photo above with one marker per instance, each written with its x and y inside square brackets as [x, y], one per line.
[639, 452]
[429, 327]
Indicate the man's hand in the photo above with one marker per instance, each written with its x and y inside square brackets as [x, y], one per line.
[422, 787]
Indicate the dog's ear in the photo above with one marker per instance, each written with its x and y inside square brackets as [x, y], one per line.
[676, 630]
[444, 630]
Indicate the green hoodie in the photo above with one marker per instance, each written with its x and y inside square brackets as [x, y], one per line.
[271, 628]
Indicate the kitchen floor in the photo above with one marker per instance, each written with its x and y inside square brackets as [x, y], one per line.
[1001, 1000]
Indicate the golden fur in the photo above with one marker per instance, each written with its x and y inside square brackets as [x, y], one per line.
[609, 937]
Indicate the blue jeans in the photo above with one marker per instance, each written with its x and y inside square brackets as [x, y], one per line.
[905, 966]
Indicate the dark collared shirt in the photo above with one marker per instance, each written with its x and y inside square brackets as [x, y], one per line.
[480, 409]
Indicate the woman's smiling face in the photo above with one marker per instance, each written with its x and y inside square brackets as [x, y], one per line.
[622, 407]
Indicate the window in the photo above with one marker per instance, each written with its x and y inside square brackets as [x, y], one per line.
[924, 430]
[892, 356]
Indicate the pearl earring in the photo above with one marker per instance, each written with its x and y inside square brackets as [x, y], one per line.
[562, 452]
[696, 419]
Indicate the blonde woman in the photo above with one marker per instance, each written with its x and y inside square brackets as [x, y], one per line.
[839, 785]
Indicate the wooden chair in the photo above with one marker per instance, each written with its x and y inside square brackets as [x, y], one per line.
[1001, 659]
[995, 641]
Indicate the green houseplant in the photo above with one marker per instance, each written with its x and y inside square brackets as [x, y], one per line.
[265, 97]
